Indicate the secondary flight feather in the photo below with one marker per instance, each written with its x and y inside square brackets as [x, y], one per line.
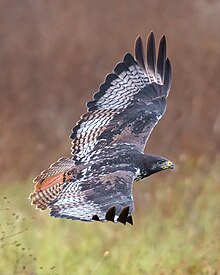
[108, 142]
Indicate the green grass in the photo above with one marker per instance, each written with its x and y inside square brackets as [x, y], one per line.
[176, 231]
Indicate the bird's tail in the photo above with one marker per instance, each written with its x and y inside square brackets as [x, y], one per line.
[49, 184]
[47, 190]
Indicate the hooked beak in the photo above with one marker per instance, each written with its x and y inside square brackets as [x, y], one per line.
[168, 165]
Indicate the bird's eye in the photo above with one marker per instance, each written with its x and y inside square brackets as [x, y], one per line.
[160, 162]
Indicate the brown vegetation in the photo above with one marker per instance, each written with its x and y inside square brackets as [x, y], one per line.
[54, 55]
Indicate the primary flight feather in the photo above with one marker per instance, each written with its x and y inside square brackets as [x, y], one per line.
[108, 142]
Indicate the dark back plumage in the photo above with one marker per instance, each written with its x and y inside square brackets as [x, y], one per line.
[117, 125]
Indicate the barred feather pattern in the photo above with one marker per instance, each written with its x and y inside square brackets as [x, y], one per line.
[108, 142]
[50, 182]
[116, 94]
[102, 190]
[93, 195]
[43, 198]
[61, 165]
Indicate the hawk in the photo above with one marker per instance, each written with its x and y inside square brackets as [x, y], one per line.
[96, 182]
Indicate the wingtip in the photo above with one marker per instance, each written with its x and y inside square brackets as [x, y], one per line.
[163, 41]
[110, 215]
[167, 77]
[123, 215]
[138, 38]
[95, 218]
[163, 37]
[161, 58]
[151, 35]
[139, 52]
[151, 52]
[129, 220]
[168, 66]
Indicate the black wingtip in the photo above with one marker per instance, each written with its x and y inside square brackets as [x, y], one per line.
[129, 220]
[161, 57]
[139, 52]
[110, 215]
[167, 77]
[124, 215]
[151, 52]
[95, 218]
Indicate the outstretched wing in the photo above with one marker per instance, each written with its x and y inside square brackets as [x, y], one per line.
[128, 104]
[96, 197]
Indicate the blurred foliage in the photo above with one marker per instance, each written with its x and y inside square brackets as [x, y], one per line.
[176, 231]
[54, 55]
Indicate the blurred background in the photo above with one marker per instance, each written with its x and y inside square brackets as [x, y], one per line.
[53, 57]
[55, 54]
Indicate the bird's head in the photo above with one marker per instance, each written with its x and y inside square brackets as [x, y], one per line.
[158, 163]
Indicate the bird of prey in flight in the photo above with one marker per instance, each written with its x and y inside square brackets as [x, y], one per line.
[96, 182]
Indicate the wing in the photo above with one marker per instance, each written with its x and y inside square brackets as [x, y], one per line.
[128, 104]
[96, 197]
